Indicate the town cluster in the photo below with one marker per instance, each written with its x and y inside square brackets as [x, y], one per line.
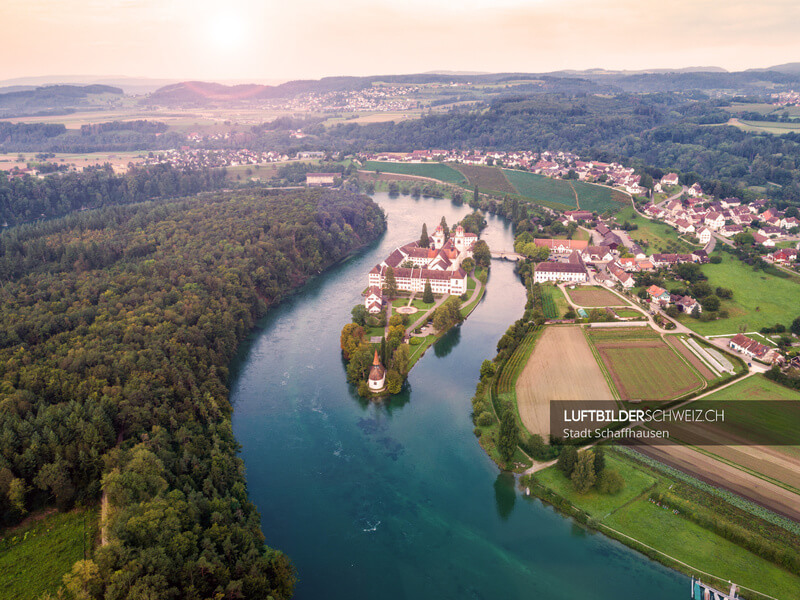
[376, 98]
[189, 158]
[413, 266]
[700, 218]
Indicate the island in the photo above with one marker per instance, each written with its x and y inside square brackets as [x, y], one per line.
[413, 297]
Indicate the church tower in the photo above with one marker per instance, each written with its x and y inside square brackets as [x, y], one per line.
[377, 375]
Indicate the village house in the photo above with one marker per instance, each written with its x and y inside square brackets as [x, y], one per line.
[749, 347]
[561, 246]
[578, 215]
[695, 191]
[704, 235]
[783, 256]
[714, 220]
[373, 301]
[623, 277]
[670, 179]
[573, 271]
[763, 240]
[596, 254]
[685, 304]
[658, 294]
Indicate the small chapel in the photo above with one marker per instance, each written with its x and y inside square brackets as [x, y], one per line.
[377, 375]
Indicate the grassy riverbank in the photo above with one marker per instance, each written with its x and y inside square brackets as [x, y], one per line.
[683, 526]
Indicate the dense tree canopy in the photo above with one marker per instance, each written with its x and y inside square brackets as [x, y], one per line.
[116, 330]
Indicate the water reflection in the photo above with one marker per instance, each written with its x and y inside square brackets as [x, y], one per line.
[505, 494]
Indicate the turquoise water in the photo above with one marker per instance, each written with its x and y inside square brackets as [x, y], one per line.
[398, 500]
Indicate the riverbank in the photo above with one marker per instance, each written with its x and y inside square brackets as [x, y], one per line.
[676, 522]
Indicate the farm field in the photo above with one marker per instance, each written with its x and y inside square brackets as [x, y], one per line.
[550, 192]
[643, 367]
[750, 307]
[598, 198]
[690, 357]
[487, 178]
[561, 367]
[653, 237]
[34, 557]
[594, 296]
[431, 170]
[516, 363]
[771, 127]
[632, 513]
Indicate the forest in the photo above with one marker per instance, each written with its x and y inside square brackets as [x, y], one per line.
[115, 340]
[24, 199]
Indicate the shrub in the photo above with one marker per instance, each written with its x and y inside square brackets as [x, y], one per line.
[485, 419]
[610, 482]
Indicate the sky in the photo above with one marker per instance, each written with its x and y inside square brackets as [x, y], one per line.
[280, 40]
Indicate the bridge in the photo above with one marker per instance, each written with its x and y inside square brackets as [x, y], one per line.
[507, 255]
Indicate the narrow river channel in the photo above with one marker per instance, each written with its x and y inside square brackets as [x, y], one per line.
[398, 500]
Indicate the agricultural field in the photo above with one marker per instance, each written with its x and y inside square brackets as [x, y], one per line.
[770, 127]
[35, 556]
[594, 297]
[598, 198]
[561, 367]
[750, 307]
[653, 237]
[554, 305]
[430, 170]
[487, 178]
[636, 515]
[629, 313]
[690, 357]
[545, 190]
[642, 366]
[516, 363]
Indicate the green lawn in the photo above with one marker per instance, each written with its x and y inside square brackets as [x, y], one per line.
[688, 542]
[432, 170]
[35, 557]
[759, 299]
[423, 306]
[631, 513]
[599, 505]
[627, 313]
[653, 237]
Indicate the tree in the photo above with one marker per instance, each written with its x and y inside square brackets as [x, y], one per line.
[599, 460]
[481, 254]
[710, 303]
[84, 581]
[445, 228]
[566, 460]
[427, 295]
[394, 382]
[610, 482]
[359, 314]
[509, 436]
[488, 369]
[795, 328]
[476, 198]
[583, 475]
[468, 264]
[400, 359]
[391, 283]
[424, 239]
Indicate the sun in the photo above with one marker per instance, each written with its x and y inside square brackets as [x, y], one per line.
[226, 31]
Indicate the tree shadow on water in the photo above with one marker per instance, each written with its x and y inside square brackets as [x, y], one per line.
[505, 494]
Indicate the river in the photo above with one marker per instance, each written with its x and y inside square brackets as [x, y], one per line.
[398, 500]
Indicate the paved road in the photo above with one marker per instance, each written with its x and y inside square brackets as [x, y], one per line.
[671, 198]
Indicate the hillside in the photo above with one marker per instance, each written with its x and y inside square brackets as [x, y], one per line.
[55, 98]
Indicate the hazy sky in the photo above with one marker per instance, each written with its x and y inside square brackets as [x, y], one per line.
[265, 39]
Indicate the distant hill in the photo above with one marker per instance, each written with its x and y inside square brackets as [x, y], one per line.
[53, 99]
[792, 68]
